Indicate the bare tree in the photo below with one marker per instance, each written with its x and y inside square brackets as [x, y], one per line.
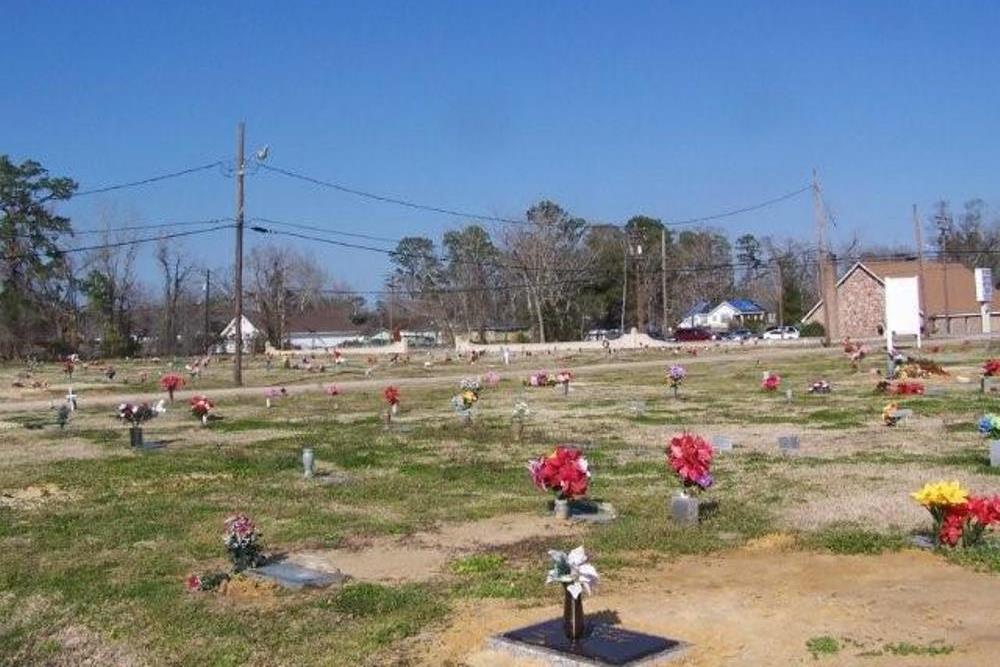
[284, 282]
[176, 271]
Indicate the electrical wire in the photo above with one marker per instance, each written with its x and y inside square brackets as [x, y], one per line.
[58, 252]
[492, 218]
[326, 230]
[147, 181]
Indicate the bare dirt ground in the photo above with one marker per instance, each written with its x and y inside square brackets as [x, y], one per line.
[759, 606]
[423, 556]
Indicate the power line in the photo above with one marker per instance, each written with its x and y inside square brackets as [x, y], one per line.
[392, 200]
[326, 230]
[147, 181]
[738, 211]
[492, 218]
[118, 244]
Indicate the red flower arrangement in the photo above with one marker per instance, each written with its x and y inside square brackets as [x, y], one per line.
[332, 390]
[391, 395]
[170, 383]
[968, 521]
[771, 381]
[201, 406]
[68, 367]
[690, 456]
[565, 471]
[991, 368]
[908, 389]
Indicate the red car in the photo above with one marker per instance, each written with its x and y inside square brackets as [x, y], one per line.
[692, 334]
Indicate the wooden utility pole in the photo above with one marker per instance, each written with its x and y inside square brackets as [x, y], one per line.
[780, 287]
[920, 269]
[829, 296]
[208, 294]
[624, 281]
[663, 279]
[238, 279]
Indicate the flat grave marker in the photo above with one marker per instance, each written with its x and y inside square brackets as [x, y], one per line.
[603, 645]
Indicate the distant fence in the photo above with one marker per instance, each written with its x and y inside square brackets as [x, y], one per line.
[402, 347]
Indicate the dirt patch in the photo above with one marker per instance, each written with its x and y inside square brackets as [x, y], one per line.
[758, 607]
[33, 497]
[422, 556]
[19, 450]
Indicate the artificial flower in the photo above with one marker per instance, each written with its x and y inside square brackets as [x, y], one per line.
[565, 471]
[770, 382]
[937, 494]
[573, 571]
[690, 456]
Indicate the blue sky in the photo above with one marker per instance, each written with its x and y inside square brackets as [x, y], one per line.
[612, 109]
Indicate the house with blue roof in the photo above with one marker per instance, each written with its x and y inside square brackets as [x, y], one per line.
[732, 313]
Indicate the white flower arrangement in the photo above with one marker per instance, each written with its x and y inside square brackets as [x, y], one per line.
[573, 571]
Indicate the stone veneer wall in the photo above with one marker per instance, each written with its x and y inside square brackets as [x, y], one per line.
[862, 306]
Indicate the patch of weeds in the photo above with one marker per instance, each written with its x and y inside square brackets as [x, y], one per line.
[478, 564]
[936, 647]
[850, 539]
[364, 599]
[824, 645]
[985, 556]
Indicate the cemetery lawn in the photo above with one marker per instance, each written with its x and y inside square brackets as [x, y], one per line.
[798, 558]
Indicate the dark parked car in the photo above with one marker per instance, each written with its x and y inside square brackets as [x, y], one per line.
[692, 334]
[740, 334]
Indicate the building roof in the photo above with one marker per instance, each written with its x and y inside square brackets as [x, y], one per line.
[248, 329]
[324, 320]
[745, 306]
[961, 292]
[699, 308]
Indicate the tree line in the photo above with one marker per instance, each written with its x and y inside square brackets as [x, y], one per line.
[556, 275]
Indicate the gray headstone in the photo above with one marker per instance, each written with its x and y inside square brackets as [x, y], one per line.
[295, 577]
[592, 512]
[788, 443]
[995, 453]
[721, 443]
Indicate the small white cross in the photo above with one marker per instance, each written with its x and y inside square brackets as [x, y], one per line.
[71, 400]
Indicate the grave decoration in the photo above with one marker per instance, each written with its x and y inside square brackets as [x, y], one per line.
[69, 365]
[491, 379]
[820, 387]
[244, 546]
[690, 457]
[891, 414]
[136, 415]
[577, 576]
[272, 393]
[908, 388]
[991, 368]
[391, 396]
[62, 416]
[466, 399]
[519, 418]
[675, 376]
[170, 383]
[201, 406]
[959, 518]
[770, 382]
[916, 368]
[541, 379]
[332, 390]
[563, 378]
[564, 472]
[989, 428]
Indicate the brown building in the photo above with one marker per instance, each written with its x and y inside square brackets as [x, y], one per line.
[947, 295]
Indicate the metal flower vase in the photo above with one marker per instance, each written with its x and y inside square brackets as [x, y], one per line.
[561, 508]
[135, 436]
[574, 622]
[684, 509]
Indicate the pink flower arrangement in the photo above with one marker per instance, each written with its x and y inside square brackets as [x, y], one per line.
[491, 379]
[170, 383]
[332, 390]
[690, 456]
[771, 381]
[201, 406]
[541, 379]
[565, 472]
[564, 377]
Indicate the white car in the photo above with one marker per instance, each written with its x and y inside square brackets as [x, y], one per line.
[781, 333]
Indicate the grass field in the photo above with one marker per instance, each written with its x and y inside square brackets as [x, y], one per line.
[96, 539]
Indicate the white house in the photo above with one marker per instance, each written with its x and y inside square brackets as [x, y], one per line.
[324, 328]
[249, 331]
[741, 312]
